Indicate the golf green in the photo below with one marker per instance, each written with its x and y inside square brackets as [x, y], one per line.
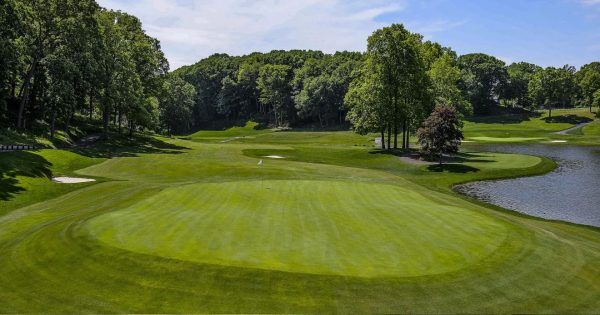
[319, 227]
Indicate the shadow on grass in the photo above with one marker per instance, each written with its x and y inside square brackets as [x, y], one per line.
[451, 164]
[567, 119]
[223, 125]
[501, 119]
[452, 168]
[125, 146]
[21, 163]
[396, 152]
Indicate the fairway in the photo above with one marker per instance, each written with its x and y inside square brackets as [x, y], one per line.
[198, 226]
[318, 227]
[177, 157]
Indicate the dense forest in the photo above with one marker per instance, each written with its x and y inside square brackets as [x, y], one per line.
[64, 60]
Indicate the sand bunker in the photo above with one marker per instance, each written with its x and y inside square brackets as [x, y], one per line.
[72, 180]
[275, 157]
[558, 141]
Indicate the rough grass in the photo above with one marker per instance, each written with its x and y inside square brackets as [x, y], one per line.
[190, 227]
[25, 176]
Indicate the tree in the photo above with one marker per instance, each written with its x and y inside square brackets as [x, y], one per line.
[596, 102]
[275, 90]
[445, 77]
[320, 86]
[176, 105]
[229, 99]
[484, 80]
[9, 53]
[394, 59]
[207, 78]
[131, 68]
[368, 109]
[552, 87]
[247, 81]
[588, 79]
[517, 89]
[441, 133]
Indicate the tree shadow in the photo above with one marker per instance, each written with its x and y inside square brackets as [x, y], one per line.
[452, 164]
[396, 152]
[125, 146]
[222, 125]
[467, 158]
[502, 119]
[20, 163]
[567, 119]
[452, 168]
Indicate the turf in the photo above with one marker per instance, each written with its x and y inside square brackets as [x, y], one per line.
[195, 226]
[529, 128]
[25, 176]
[316, 227]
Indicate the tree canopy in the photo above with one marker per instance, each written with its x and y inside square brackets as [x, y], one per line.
[63, 60]
[441, 132]
[484, 80]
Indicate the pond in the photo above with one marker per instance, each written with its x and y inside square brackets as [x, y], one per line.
[570, 193]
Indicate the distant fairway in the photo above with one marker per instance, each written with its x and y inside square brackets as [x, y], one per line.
[320, 227]
[194, 225]
[520, 128]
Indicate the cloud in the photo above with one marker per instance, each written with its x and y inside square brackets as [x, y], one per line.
[193, 29]
[590, 2]
[429, 29]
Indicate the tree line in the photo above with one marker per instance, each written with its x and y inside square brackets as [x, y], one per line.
[66, 57]
[61, 59]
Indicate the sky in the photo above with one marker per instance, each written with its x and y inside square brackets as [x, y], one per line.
[544, 32]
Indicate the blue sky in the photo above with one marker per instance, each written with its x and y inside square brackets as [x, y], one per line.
[545, 32]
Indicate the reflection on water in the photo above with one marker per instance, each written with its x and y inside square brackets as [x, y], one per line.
[570, 193]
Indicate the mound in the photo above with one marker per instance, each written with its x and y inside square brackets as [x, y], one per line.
[317, 227]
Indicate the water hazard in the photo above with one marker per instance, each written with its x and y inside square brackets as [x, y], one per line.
[570, 193]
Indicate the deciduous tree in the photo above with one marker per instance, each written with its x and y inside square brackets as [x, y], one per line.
[441, 133]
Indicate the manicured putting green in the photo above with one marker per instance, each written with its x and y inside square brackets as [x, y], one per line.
[317, 227]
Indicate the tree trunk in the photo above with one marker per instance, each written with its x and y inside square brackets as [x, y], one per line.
[106, 119]
[25, 92]
[68, 122]
[119, 119]
[389, 139]
[404, 135]
[131, 127]
[91, 103]
[395, 135]
[383, 139]
[408, 138]
[53, 124]
[13, 85]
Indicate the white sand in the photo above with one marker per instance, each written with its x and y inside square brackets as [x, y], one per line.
[558, 141]
[72, 180]
[274, 157]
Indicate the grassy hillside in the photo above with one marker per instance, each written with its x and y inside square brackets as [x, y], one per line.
[527, 128]
[197, 225]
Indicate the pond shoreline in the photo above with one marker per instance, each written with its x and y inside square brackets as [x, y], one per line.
[567, 194]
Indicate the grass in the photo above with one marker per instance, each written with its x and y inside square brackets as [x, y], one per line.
[194, 226]
[527, 128]
[314, 227]
[25, 176]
